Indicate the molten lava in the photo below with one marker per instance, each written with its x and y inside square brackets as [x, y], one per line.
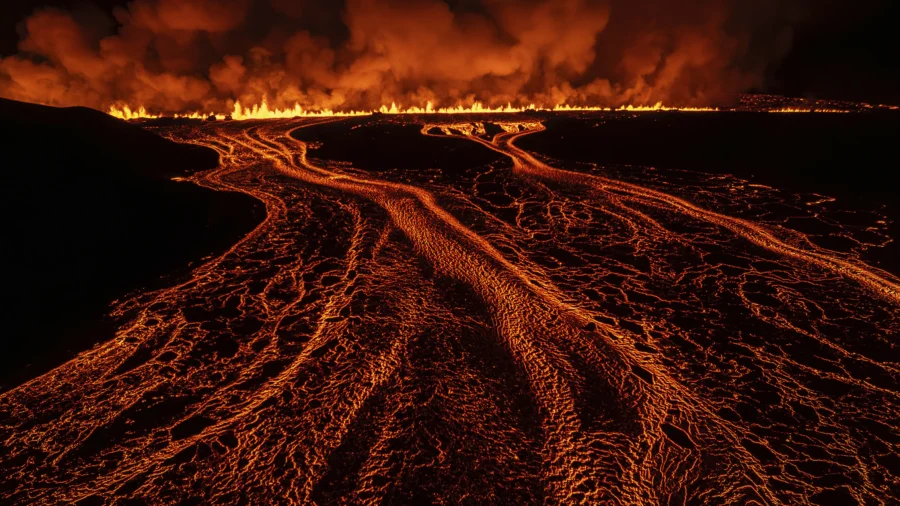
[516, 331]
[263, 111]
[798, 110]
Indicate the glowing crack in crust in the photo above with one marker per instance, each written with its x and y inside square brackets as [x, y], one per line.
[527, 334]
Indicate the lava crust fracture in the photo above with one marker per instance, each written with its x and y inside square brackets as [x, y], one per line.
[516, 332]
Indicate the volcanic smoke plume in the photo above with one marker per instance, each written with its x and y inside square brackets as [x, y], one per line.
[181, 55]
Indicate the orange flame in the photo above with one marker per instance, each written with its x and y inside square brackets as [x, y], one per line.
[126, 113]
[660, 107]
[800, 110]
[263, 111]
[259, 111]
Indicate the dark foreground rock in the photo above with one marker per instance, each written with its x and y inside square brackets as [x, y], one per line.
[90, 213]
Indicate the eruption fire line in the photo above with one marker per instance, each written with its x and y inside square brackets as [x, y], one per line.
[263, 111]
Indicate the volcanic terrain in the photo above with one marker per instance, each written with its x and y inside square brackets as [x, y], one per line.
[565, 308]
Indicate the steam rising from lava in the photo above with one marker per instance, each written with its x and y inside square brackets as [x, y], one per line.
[188, 55]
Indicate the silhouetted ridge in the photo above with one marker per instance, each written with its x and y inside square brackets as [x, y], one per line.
[100, 137]
[90, 213]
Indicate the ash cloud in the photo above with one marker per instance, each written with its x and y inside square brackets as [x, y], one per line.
[185, 55]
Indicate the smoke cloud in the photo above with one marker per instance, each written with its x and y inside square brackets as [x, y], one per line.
[186, 55]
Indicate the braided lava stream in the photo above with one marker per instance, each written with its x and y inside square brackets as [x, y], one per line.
[512, 334]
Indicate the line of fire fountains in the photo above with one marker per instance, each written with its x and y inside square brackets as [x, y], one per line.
[263, 111]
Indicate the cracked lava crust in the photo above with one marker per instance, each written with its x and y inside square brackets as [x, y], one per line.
[519, 331]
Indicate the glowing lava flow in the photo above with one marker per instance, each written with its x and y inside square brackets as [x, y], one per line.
[506, 333]
[881, 283]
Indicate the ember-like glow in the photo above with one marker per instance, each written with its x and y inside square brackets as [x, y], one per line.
[258, 111]
[660, 107]
[126, 113]
[177, 57]
[800, 110]
[263, 111]
[749, 103]
[513, 332]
